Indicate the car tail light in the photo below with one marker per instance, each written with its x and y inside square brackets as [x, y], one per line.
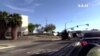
[84, 43]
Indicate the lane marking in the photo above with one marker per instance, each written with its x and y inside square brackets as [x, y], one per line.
[6, 46]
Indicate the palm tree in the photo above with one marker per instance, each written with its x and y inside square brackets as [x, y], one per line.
[3, 24]
[15, 22]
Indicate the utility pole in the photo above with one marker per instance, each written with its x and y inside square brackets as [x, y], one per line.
[46, 21]
[66, 24]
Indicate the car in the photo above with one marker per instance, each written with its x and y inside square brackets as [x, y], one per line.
[91, 37]
[90, 41]
[74, 49]
[64, 35]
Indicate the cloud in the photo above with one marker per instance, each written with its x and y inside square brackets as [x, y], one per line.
[26, 6]
[20, 9]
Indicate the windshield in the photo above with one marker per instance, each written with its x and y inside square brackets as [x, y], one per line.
[36, 27]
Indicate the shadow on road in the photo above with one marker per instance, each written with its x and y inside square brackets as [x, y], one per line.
[43, 54]
[39, 55]
[46, 40]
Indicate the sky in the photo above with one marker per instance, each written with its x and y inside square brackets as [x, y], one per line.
[58, 12]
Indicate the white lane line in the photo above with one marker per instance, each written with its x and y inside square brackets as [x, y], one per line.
[6, 46]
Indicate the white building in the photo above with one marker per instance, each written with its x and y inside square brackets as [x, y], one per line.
[24, 28]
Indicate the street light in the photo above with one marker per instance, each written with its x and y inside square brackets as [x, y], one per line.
[82, 25]
[46, 21]
[72, 28]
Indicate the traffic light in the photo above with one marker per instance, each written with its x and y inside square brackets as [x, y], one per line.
[87, 24]
[72, 28]
[77, 26]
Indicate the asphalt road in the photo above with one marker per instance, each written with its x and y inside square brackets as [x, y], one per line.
[40, 47]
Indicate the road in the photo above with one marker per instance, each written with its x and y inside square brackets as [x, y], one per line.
[40, 47]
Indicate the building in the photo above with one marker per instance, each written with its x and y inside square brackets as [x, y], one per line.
[24, 28]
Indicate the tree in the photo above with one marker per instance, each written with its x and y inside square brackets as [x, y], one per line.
[15, 22]
[37, 25]
[40, 30]
[3, 24]
[50, 28]
[31, 27]
[95, 30]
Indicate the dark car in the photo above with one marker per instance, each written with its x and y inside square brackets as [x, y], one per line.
[74, 49]
[64, 35]
[79, 48]
[91, 37]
